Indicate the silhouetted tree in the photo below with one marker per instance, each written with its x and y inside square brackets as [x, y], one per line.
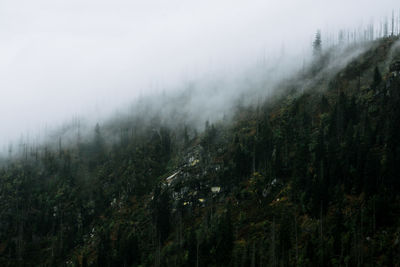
[162, 213]
[317, 44]
[377, 77]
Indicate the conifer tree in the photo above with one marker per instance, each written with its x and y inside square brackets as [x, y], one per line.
[377, 77]
[317, 44]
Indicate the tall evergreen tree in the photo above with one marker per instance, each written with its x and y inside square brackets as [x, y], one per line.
[377, 77]
[317, 44]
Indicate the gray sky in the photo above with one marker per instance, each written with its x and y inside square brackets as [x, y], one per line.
[62, 58]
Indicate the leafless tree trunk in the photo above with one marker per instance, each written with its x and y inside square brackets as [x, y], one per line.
[273, 243]
[197, 252]
[321, 232]
[253, 255]
[392, 23]
[295, 231]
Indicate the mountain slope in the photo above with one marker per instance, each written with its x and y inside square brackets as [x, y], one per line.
[308, 178]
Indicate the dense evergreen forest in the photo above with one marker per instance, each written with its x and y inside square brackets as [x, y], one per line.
[309, 177]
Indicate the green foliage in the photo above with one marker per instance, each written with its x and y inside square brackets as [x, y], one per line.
[309, 180]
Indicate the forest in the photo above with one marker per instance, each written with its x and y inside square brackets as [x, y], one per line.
[306, 177]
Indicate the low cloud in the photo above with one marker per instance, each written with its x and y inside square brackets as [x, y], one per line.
[66, 59]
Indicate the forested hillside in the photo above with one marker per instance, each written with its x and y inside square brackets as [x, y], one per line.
[309, 177]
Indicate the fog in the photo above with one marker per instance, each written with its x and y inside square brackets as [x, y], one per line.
[65, 59]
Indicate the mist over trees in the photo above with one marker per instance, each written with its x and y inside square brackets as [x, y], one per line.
[283, 164]
[259, 81]
[317, 44]
[93, 74]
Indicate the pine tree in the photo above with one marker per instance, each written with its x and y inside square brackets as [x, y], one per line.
[377, 77]
[192, 248]
[162, 213]
[224, 242]
[317, 44]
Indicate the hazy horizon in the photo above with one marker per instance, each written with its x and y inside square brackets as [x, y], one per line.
[66, 59]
